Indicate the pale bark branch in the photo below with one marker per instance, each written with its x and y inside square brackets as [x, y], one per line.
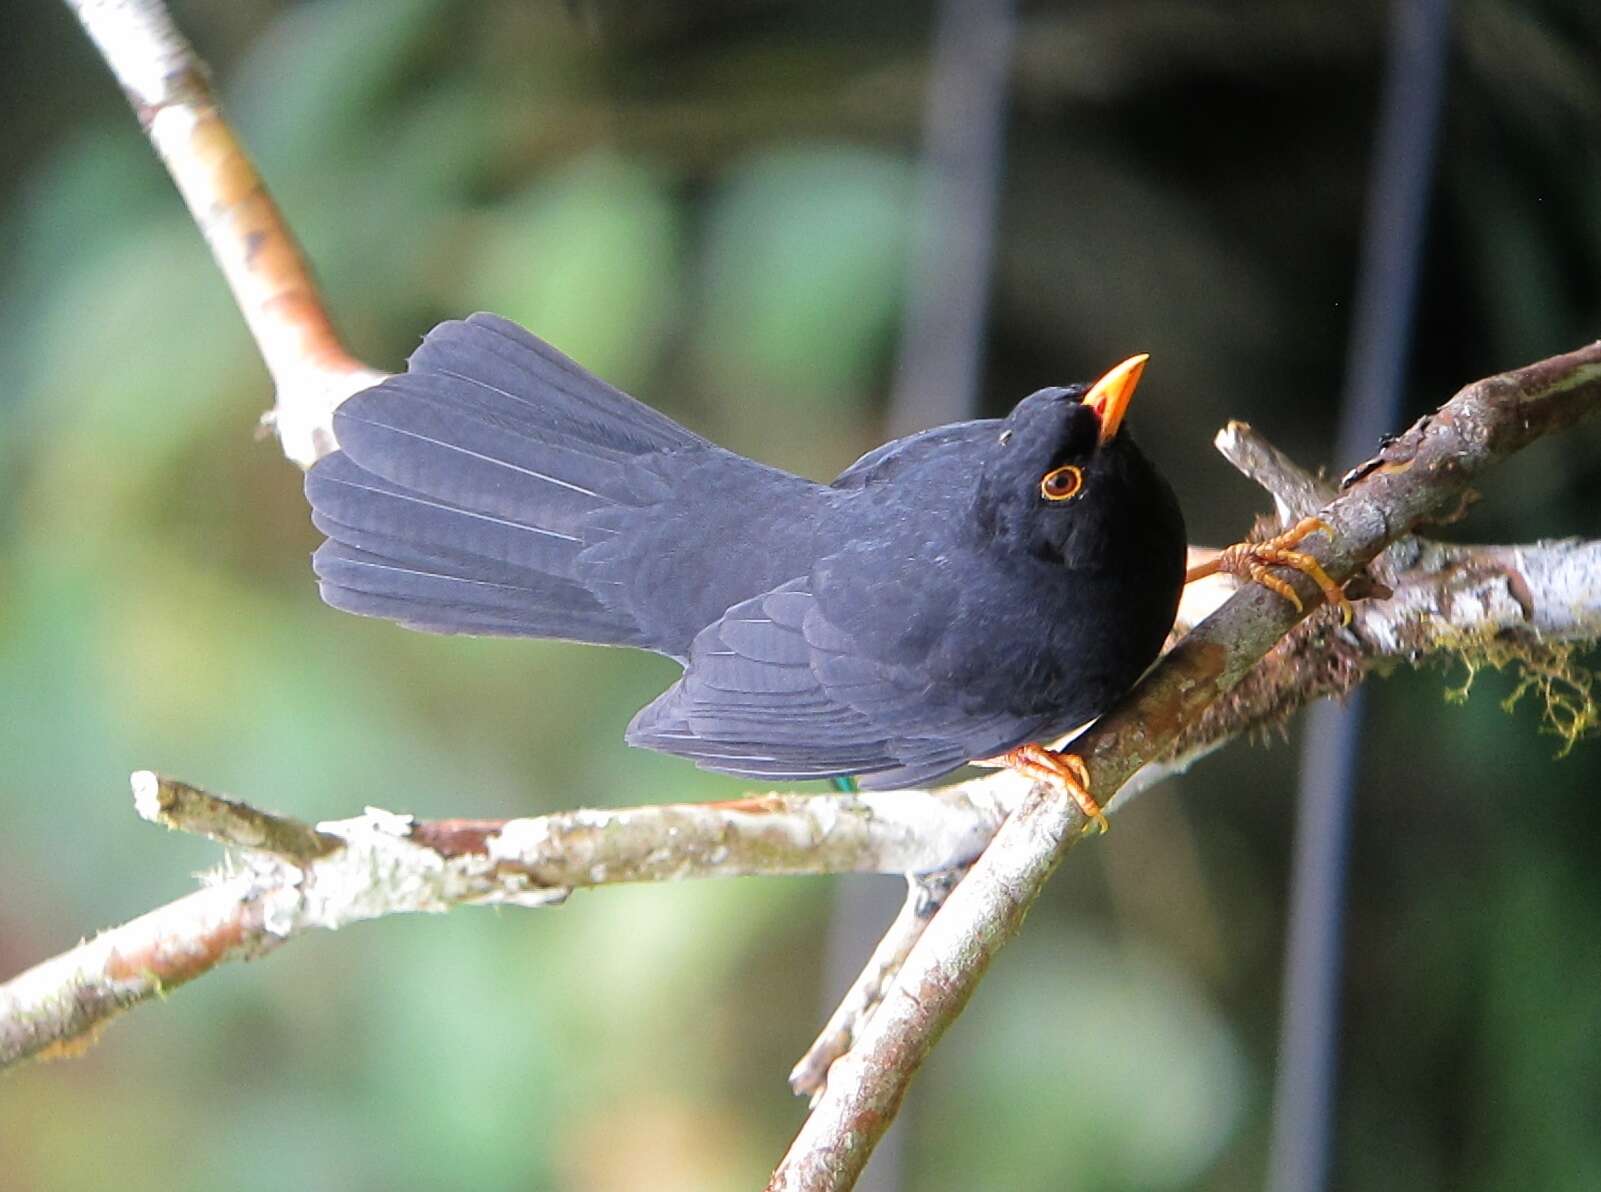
[1446, 598]
[170, 90]
[58, 1007]
[911, 831]
[294, 880]
[925, 894]
[1296, 492]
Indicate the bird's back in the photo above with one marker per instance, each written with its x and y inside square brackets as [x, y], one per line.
[872, 626]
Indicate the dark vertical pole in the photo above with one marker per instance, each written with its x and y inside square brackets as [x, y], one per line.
[1381, 332]
[964, 142]
[941, 349]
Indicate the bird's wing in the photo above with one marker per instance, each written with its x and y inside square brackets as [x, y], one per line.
[777, 689]
[886, 461]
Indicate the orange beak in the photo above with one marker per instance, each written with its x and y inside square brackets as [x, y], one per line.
[1109, 396]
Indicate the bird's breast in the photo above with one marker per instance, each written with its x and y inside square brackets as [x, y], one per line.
[1054, 644]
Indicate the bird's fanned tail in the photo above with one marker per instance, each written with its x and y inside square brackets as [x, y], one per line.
[466, 489]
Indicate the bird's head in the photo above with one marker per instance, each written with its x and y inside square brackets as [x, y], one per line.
[1064, 477]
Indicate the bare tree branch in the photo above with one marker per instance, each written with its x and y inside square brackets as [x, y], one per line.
[185, 808]
[170, 90]
[1421, 476]
[296, 878]
[1446, 599]
[925, 894]
[1296, 492]
[57, 1008]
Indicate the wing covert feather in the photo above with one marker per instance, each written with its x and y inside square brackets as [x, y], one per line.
[775, 689]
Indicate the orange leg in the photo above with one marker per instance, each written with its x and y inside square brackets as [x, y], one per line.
[1251, 560]
[1065, 771]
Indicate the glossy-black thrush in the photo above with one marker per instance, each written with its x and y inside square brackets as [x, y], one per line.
[966, 593]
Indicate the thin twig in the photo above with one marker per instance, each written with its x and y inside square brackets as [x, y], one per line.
[1296, 492]
[170, 91]
[57, 1008]
[912, 831]
[925, 894]
[185, 808]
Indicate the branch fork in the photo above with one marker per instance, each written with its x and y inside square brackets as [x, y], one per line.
[291, 877]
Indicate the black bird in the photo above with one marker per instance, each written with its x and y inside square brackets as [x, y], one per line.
[962, 594]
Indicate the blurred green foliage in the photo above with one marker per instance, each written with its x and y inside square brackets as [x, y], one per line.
[710, 205]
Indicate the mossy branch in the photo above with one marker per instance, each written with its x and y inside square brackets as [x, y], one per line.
[1419, 477]
[1446, 601]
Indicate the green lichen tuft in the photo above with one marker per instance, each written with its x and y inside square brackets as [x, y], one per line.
[1564, 688]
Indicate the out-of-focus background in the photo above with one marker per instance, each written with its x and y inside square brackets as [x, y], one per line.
[711, 205]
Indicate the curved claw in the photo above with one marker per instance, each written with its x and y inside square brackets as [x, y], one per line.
[1252, 560]
[1065, 771]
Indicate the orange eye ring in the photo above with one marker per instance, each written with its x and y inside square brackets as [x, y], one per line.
[1062, 484]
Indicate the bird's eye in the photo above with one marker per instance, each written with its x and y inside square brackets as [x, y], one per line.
[1062, 484]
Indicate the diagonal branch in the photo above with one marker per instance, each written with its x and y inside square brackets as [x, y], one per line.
[297, 878]
[169, 88]
[925, 894]
[185, 808]
[1419, 477]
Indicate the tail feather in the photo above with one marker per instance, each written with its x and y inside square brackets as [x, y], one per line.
[509, 412]
[444, 558]
[552, 389]
[465, 490]
[437, 599]
[345, 494]
[403, 433]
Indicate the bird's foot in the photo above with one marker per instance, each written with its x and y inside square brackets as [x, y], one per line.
[1252, 560]
[1065, 771]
